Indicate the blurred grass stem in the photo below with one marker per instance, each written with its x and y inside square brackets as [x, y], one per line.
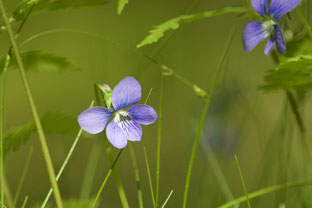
[202, 119]
[40, 131]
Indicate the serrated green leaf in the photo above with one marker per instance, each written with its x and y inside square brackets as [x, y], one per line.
[121, 5]
[51, 5]
[294, 73]
[52, 123]
[173, 24]
[41, 61]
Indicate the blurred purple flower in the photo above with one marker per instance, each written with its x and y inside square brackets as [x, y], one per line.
[124, 124]
[254, 32]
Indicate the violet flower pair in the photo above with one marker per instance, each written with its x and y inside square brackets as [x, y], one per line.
[254, 32]
[121, 124]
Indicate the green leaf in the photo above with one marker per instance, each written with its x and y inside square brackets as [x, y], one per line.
[173, 24]
[293, 73]
[121, 5]
[299, 47]
[52, 123]
[51, 5]
[41, 61]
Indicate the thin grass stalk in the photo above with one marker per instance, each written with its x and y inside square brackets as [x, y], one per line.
[304, 21]
[242, 180]
[90, 171]
[40, 131]
[22, 178]
[25, 202]
[4, 74]
[106, 178]
[265, 191]
[202, 121]
[149, 178]
[159, 137]
[68, 156]
[166, 201]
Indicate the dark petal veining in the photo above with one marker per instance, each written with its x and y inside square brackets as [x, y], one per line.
[119, 132]
[260, 6]
[278, 8]
[280, 40]
[143, 114]
[253, 33]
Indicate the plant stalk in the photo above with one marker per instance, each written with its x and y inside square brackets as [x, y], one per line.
[40, 131]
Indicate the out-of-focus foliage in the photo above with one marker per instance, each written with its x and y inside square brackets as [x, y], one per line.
[299, 47]
[293, 73]
[52, 123]
[23, 7]
[121, 5]
[41, 61]
[173, 24]
[71, 203]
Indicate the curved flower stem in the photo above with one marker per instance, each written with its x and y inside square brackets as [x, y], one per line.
[304, 21]
[106, 178]
[202, 120]
[42, 139]
[264, 191]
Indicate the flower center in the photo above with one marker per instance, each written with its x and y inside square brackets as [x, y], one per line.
[268, 26]
[123, 119]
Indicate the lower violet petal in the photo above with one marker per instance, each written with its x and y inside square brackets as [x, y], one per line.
[118, 132]
[143, 114]
[94, 120]
[253, 33]
[280, 40]
[269, 46]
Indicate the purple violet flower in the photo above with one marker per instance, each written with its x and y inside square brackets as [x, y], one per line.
[121, 124]
[254, 32]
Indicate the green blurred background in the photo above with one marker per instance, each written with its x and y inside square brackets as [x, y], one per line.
[241, 119]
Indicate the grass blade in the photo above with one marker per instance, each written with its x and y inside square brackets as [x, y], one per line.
[149, 178]
[43, 142]
[22, 178]
[264, 192]
[137, 175]
[90, 171]
[71, 150]
[106, 178]
[202, 121]
[243, 182]
[166, 201]
[159, 137]
[25, 202]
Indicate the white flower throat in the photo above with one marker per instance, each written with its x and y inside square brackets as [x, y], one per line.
[268, 26]
[123, 119]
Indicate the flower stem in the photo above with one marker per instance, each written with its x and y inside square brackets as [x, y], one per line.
[42, 139]
[159, 136]
[149, 178]
[202, 120]
[106, 178]
[304, 21]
